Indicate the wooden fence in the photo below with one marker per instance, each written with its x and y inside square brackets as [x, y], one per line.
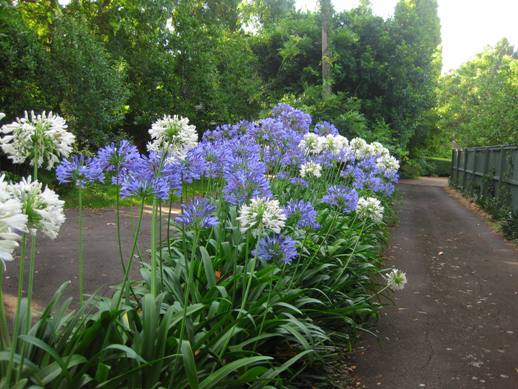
[487, 172]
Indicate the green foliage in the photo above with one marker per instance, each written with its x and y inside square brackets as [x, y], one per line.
[220, 61]
[478, 101]
[22, 58]
[434, 166]
[85, 81]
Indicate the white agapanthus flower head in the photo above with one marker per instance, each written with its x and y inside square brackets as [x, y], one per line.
[360, 148]
[43, 208]
[2, 115]
[262, 214]
[370, 207]
[12, 222]
[310, 169]
[312, 144]
[334, 143]
[396, 279]
[387, 163]
[41, 138]
[376, 148]
[174, 135]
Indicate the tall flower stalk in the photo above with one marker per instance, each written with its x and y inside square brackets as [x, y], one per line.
[79, 171]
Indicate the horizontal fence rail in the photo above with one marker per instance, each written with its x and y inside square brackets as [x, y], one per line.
[490, 172]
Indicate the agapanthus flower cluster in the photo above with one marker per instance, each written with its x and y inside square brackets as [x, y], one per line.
[310, 169]
[341, 197]
[371, 208]
[79, 170]
[261, 215]
[174, 135]
[312, 144]
[41, 138]
[117, 158]
[13, 221]
[146, 179]
[42, 206]
[325, 128]
[277, 248]
[198, 213]
[396, 279]
[244, 173]
[292, 117]
[303, 213]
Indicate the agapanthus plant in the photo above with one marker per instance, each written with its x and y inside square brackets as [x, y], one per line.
[42, 206]
[199, 213]
[276, 247]
[302, 213]
[341, 197]
[145, 179]
[117, 159]
[174, 135]
[261, 215]
[79, 171]
[41, 139]
[396, 279]
[13, 222]
[310, 170]
[370, 208]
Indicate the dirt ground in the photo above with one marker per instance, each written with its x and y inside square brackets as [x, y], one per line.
[456, 323]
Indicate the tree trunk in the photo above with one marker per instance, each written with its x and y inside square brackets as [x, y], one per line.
[325, 11]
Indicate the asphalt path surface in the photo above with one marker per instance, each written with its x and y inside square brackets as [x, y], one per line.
[57, 261]
[455, 325]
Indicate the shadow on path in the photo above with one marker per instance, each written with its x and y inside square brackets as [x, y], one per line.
[456, 323]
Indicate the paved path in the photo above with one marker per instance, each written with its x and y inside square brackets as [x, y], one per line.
[57, 260]
[456, 324]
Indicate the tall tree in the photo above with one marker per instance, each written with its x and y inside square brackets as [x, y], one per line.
[325, 12]
[478, 101]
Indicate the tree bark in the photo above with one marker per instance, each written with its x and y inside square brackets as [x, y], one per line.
[325, 11]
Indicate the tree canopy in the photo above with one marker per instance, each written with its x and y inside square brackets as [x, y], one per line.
[479, 102]
[112, 67]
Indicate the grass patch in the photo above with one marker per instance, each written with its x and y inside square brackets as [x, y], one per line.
[105, 195]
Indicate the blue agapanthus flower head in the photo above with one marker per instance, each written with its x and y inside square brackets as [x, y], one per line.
[292, 117]
[193, 167]
[277, 248]
[79, 170]
[299, 181]
[117, 157]
[145, 179]
[303, 213]
[213, 156]
[198, 213]
[342, 197]
[243, 185]
[325, 128]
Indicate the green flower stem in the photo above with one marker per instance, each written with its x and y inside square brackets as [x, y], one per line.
[312, 258]
[14, 342]
[153, 248]
[118, 222]
[169, 215]
[32, 265]
[189, 277]
[132, 254]
[4, 333]
[81, 247]
[359, 236]
[244, 299]
[160, 239]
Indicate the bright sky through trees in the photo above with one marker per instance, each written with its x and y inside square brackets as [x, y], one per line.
[467, 26]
